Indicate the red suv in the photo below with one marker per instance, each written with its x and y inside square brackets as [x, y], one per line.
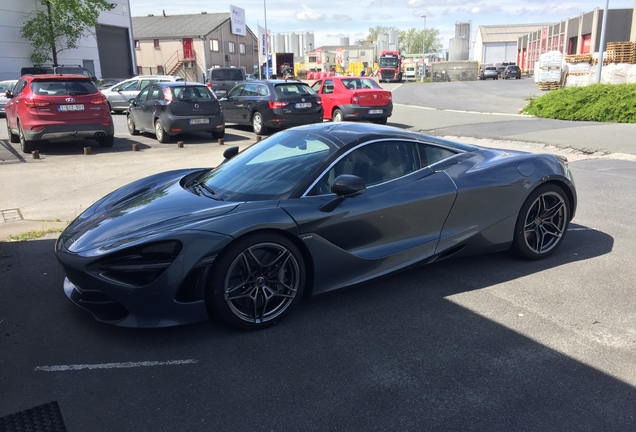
[57, 108]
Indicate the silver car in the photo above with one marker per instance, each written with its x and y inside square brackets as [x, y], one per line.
[119, 94]
[5, 86]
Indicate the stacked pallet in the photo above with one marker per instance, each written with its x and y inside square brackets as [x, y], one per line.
[553, 85]
[578, 58]
[621, 52]
[548, 73]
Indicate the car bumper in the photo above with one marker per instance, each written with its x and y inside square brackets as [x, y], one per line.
[176, 125]
[357, 112]
[65, 132]
[282, 121]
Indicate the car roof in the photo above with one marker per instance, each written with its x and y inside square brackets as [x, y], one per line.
[180, 84]
[155, 76]
[58, 77]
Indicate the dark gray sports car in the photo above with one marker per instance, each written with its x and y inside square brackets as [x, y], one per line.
[308, 210]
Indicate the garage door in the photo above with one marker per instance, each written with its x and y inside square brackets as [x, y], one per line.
[113, 45]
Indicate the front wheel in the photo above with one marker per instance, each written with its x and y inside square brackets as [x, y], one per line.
[132, 129]
[337, 115]
[257, 281]
[542, 223]
[160, 133]
[258, 124]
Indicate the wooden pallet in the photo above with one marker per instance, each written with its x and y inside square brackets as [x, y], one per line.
[621, 52]
[578, 58]
[553, 85]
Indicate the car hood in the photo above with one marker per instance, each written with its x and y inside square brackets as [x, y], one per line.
[149, 207]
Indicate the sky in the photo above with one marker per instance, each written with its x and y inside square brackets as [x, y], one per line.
[331, 20]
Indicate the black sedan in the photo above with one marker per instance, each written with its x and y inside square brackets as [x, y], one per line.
[175, 107]
[267, 104]
[305, 211]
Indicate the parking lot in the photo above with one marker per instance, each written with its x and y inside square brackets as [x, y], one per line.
[488, 343]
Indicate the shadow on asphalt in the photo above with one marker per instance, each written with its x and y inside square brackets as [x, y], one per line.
[394, 354]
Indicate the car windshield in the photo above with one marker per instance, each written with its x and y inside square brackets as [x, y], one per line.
[271, 169]
[388, 62]
[63, 88]
[293, 89]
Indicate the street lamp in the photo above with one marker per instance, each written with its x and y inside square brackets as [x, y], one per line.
[601, 48]
[424, 49]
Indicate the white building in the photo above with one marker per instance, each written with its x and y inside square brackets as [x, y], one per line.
[107, 50]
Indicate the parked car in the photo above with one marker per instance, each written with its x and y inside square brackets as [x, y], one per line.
[5, 86]
[489, 72]
[171, 108]
[223, 79]
[120, 94]
[105, 83]
[308, 210]
[500, 70]
[512, 71]
[354, 98]
[54, 108]
[272, 104]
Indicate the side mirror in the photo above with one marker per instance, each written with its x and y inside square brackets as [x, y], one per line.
[132, 101]
[344, 186]
[230, 152]
[8, 94]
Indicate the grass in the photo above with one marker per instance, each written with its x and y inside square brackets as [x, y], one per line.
[610, 103]
[33, 235]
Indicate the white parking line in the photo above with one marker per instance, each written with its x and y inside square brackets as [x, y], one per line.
[63, 368]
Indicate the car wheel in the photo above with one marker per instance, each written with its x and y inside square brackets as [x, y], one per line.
[218, 134]
[381, 121]
[258, 124]
[131, 125]
[107, 141]
[542, 223]
[12, 137]
[26, 146]
[257, 281]
[337, 115]
[160, 132]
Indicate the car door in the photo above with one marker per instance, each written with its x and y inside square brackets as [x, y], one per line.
[396, 222]
[325, 88]
[233, 104]
[139, 113]
[11, 109]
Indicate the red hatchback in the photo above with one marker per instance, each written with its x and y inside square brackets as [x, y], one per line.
[57, 108]
[354, 98]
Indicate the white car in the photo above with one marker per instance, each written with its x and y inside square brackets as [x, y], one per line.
[119, 94]
[5, 86]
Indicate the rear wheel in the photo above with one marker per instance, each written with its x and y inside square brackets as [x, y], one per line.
[12, 137]
[218, 134]
[160, 132]
[258, 124]
[542, 223]
[256, 281]
[380, 120]
[131, 125]
[26, 146]
[337, 115]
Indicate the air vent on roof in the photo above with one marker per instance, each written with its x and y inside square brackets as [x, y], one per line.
[204, 13]
[151, 14]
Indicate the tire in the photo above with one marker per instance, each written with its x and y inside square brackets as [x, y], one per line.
[542, 223]
[131, 125]
[218, 135]
[160, 132]
[380, 121]
[106, 141]
[256, 282]
[13, 138]
[26, 146]
[258, 125]
[337, 116]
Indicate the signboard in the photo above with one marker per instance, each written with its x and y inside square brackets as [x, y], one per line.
[339, 56]
[262, 45]
[237, 21]
[318, 56]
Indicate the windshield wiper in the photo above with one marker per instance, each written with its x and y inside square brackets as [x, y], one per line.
[200, 186]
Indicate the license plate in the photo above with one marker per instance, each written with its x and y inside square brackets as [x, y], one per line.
[303, 105]
[70, 107]
[375, 111]
[199, 121]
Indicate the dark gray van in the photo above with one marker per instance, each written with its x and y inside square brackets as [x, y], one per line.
[223, 79]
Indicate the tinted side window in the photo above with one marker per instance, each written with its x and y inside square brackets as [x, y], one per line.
[143, 95]
[430, 154]
[19, 87]
[236, 91]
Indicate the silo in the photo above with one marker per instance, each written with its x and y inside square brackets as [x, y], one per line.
[308, 42]
[278, 43]
[294, 44]
[344, 41]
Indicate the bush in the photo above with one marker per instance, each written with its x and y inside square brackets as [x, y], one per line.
[614, 103]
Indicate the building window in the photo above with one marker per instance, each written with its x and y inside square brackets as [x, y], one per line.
[156, 42]
[361, 53]
[242, 48]
[231, 47]
[312, 59]
[137, 44]
[214, 45]
[160, 69]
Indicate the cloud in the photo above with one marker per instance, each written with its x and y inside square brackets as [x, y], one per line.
[342, 18]
[308, 14]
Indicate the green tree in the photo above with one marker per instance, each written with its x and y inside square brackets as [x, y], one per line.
[411, 41]
[59, 25]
